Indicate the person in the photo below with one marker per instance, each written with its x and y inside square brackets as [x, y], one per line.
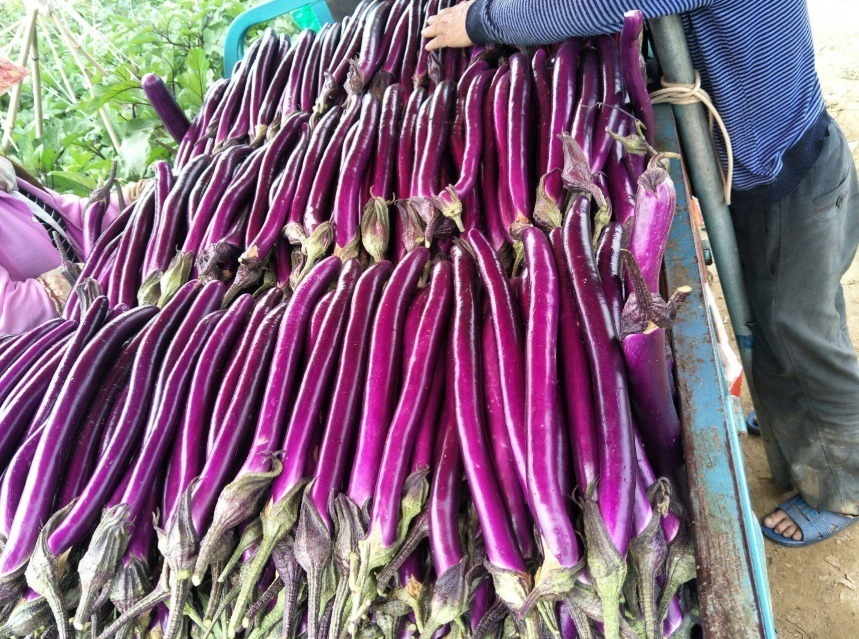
[33, 288]
[795, 209]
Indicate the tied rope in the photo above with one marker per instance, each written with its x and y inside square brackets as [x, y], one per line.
[681, 93]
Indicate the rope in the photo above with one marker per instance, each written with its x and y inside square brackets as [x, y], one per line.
[681, 93]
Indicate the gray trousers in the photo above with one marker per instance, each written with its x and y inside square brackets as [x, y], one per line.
[805, 371]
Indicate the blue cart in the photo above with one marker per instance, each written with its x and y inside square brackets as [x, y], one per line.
[732, 581]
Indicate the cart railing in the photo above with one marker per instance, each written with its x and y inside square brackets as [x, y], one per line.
[308, 15]
[732, 580]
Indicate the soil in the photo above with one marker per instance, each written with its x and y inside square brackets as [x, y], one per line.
[816, 590]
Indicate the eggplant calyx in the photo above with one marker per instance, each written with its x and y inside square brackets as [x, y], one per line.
[150, 290]
[179, 543]
[511, 586]
[175, 276]
[101, 562]
[239, 500]
[425, 210]
[647, 553]
[313, 247]
[413, 227]
[374, 553]
[645, 311]
[375, 228]
[547, 214]
[290, 573]
[553, 581]
[130, 585]
[313, 549]
[449, 599]
[355, 80]
[87, 290]
[634, 143]
[45, 570]
[450, 206]
[606, 566]
[679, 569]
[349, 251]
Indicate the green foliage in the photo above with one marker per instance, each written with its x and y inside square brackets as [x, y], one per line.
[180, 40]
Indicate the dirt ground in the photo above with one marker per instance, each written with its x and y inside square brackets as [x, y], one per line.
[816, 590]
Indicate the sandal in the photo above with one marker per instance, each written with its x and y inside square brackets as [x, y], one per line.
[752, 426]
[816, 525]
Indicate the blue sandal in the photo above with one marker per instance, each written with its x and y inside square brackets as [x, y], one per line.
[752, 426]
[816, 525]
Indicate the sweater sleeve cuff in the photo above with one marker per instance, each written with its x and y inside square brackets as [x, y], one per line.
[474, 24]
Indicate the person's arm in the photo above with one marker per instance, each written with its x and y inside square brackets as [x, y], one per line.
[27, 303]
[72, 209]
[536, 22]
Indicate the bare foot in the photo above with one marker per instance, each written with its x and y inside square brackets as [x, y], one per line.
[780, 522]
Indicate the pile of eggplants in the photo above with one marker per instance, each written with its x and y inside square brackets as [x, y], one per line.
[382, 354]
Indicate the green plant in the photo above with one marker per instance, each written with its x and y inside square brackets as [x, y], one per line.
[180, 40]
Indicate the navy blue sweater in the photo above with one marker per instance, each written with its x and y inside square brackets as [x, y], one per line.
[755, 57]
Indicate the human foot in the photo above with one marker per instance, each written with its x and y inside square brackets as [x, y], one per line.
[781, 523]
[797, 524]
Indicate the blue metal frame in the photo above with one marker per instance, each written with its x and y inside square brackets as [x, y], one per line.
[732, 578]
[234, 43]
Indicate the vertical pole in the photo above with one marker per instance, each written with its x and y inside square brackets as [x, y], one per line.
[37, 85]
[700, 156]
[15, 98]
[87, 81]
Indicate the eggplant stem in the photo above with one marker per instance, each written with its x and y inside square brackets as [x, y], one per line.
[339, 608]
[270, 621]
[491, 619]
[580, 620]
[250, 537]
[216, 592]
[418, 532]
[262, 603]
[144, 605]
[249, 576]
[226, 600]
[178, 595]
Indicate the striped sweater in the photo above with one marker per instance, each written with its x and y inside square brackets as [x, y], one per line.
[755, 57]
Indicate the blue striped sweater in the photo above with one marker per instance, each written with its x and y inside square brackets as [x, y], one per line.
[755, 57]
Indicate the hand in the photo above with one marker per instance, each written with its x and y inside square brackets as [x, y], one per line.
[8, 183]
[134, 190]
[447, 28]
[57, 287]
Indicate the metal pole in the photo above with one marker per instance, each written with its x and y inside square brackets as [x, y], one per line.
[700, 156]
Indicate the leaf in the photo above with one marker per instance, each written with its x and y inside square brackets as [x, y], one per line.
[48, 157]
[134, 152]
[195, 76]
[77, 183]
[103, 94]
